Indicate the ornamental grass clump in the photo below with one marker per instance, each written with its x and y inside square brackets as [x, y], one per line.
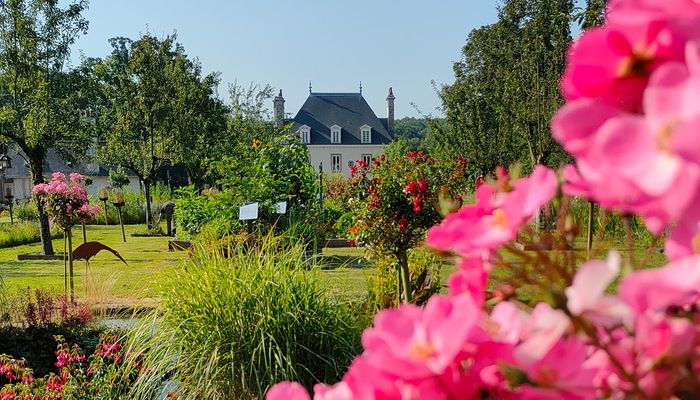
[229, 327]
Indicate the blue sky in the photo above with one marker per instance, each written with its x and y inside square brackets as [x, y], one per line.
[335, 44]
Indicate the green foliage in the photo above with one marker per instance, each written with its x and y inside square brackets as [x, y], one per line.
[381, 284]
[26, 212]
[22, 233]
[229, 327]
[270, 172]
[193, 210]
[155, 109]
[609, 225]
[506, 89]
[118, 177]
[397, 198]
[413, 131]
[40, 96]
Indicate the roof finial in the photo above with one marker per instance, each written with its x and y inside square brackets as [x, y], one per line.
[360, 87]
[309, 87]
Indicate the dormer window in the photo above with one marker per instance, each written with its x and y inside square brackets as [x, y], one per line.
[335, 134]
[305, 134]
[366, 134]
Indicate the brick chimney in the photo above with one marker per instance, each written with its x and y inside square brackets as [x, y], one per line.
[278, 110]
[390, 112]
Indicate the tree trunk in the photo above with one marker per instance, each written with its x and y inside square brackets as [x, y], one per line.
[405, 276]
[37, 171]
[147, 193]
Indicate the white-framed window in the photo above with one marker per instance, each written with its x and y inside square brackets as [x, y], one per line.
[305, 134]
[335, 134]
[367, 158]
[366, 134]
[336, 160]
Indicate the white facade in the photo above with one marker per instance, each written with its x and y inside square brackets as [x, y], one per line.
[327, 154]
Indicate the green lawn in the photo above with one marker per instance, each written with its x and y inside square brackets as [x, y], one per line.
[111, 282]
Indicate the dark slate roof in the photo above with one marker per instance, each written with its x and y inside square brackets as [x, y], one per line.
[350, 111]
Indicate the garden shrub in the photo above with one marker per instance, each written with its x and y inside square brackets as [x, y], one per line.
[229, 327]
[32, 318]
[26, 212]
[102, 375]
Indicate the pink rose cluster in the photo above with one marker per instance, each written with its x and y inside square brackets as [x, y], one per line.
[633, 115]
[631, 121]
[66, 201]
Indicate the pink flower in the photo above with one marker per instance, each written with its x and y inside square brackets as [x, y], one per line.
[562, 373]
[469, 280]
[478, 229]
[614, 62]
[58, 177]
[545, 328]
[655, 290]
[76, 178]
[586, 296]
[411, 343]
[684, 239]
[287, 391]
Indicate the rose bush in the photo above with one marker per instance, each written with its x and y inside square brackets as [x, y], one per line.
[631, 122]
[395, 199]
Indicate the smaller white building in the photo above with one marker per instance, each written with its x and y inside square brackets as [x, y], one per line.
[17, 180]
[339, 128]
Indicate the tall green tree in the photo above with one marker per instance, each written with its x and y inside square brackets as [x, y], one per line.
[506, 88]
[141, 83]
[40, 98]
[200, 122]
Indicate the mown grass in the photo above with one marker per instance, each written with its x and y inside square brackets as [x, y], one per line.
[344, 274]
[147, 260]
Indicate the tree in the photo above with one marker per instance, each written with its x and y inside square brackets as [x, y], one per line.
[200, 122]
[146, 84]
[413, 131]
[40, 100]
[507, 88]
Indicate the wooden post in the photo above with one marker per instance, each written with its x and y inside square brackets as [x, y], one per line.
[589, 237]
[119, 212]
[84, 234]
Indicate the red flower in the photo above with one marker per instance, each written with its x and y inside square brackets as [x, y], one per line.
[423, 185]
[403, 223]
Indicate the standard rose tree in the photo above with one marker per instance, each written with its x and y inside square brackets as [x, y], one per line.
[66, 204]
[632, 123]
[395, 199]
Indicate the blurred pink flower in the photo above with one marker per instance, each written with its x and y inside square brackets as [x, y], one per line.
[411, 343]
[478, 229]
[586, 296]
[287, 391]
